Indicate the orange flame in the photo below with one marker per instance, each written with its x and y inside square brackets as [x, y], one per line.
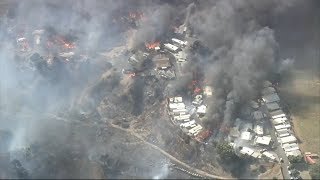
[65, 44]
[152, 45]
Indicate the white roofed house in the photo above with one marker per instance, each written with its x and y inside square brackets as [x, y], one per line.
[269, 155]
[246, 151]
[188, 124]
[201, 110]
[177, 106]
[288, 139]
[264, 140]
[280, 120]
[179, 42]
[278, 116]
[290, 147]
[207, 91]
[258, 129]
[282, 126]
[171, 47]
[294, 153]
[246, 136]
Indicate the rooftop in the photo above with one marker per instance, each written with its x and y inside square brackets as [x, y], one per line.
[247, 150]
[265, 140]
[272, 106]
[271, 98]
[246, 136]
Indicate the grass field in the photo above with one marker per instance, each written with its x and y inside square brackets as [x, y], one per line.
[302, 94]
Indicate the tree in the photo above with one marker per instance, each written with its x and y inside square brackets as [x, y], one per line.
[226, 151]
[315, 171]
[295, 159]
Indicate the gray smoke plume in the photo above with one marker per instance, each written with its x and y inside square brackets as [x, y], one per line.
[156, 23]
[244, 52]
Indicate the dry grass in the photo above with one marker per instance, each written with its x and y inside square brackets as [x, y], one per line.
[302, 95]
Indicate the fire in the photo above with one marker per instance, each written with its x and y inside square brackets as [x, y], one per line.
[152, 45]
[67, 45]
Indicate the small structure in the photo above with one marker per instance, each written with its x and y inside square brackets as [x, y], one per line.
[37, 36]
[171, 47]
[275, 114]
[256, 154]
[280, 120]
[278, 116]
[294, 153]
[197, 100]
[282, 126]
[264, 140]
[288, 139]
[284, 135]
[179, 42]
[246, 151]
[194, 131]
[188, 124]
[310, 158]
[66, 54]
[273, 106]
[207, 91]
[161, 61]
[282, 131]
[201, 110]
[167, 74]
[269, 155]
[290, 147]
[175, 99]
[246, 136]
[258, 129]
[271, 98]
[177, 106]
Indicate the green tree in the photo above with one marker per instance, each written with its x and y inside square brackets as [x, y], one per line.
[226, 151]
[295, 159]
[315, 171]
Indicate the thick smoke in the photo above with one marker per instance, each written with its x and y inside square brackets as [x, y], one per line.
[154, 24]
[244, 51]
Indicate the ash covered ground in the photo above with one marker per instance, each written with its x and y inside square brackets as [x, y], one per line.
[77, 101]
